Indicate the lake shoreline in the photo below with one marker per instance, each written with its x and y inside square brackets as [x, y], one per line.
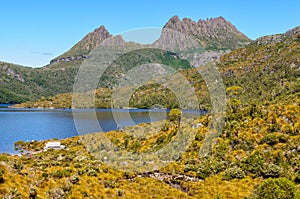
[43, 124]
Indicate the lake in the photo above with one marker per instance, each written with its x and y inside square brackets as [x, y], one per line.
[42, 124]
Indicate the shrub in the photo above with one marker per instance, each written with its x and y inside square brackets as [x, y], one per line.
[2, 172]
[109, 184]
[4, 158]
[62, 173]
[129, 175]
[253, 163]
[199, 137]
[279, 188]
[14, 193]
[297, 177]
[210, 166]
[271, 171]
[135, 146]
[165, 126]
[18, 166]
[218, 196]
[161, 139]
[297, 128]
[288, 129]
[274, 138]
[45, 175]
[74, 179]
[120, 193]
[175, 115]
[190, 167]
[92, 172]
[232, 173]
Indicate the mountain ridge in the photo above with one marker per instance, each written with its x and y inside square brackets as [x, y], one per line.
[257, 72]
[58, 77]
[214, 33]
[207, 32]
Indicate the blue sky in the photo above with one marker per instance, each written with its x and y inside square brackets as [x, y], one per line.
[32, 32]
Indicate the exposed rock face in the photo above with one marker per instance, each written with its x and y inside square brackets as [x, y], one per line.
[69, 58]
[92, 40]
[11, 73]
[211, 34]
[214, 33]
[82, 48]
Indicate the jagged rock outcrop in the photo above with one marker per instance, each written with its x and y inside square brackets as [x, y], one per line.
[92, 40]
[69, 58]
[213, 34]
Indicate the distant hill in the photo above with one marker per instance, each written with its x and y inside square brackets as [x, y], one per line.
[17, 83]
[20, 84]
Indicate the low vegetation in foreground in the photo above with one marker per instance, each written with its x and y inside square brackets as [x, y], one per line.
[256, 156]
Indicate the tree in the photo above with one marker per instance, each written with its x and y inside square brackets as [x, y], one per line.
[2, 172]
[20, 146]
[175, 115]
[277, 188]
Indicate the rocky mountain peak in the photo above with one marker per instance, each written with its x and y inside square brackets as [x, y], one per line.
[212, 33]
[174, 20]
[92, 39]
[83, 47]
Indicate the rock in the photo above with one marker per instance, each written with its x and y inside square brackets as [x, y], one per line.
[88, 43]
[214, 33]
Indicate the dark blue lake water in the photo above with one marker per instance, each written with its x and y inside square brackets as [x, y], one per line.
[42, 124]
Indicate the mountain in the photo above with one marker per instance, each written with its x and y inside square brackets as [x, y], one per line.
[266, 69]
[20, 84]
[211, 34]
[213, 37]
[83, 47]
